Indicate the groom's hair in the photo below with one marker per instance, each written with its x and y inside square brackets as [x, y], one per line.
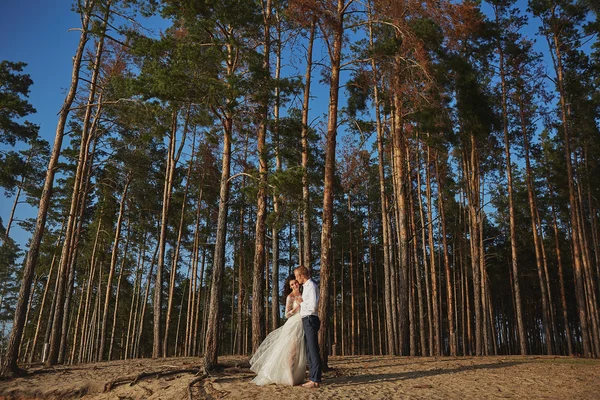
[302, 270]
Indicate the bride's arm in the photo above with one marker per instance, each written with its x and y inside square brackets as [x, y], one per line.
[289, 303]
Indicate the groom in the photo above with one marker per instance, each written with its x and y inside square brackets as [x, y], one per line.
[311, 323]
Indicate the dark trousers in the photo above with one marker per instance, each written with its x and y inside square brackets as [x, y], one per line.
[311, 326]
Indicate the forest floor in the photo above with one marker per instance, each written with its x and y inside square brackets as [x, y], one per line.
[350, 377]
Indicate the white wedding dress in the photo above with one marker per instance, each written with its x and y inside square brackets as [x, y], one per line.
[281, 357]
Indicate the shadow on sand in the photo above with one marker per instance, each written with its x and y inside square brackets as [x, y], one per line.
[403, 376]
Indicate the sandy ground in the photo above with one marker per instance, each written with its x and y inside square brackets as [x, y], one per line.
[351, 377]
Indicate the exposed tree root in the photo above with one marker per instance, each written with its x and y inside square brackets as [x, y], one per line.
[132, 380]
[193, 382]
[8, 372]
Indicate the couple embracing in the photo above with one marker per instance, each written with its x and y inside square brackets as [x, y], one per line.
[281, 358]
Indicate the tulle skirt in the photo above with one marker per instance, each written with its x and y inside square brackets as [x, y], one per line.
[281, 357]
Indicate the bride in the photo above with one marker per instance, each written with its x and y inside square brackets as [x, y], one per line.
[281, 357]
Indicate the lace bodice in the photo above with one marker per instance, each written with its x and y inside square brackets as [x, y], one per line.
[291, 305]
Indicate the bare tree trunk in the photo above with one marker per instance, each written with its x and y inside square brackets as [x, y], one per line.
[428, 347]
[192, 310]
[399, 154]
[200, 337]
[86, 333]
[258, 312]
[276, 197]
[113, 266]
[42, 305]
[307, 259]
[178, 247]
[211, 346]
[590, 290]
[372, 281]
[449, 286]
[353, 335]
[471, 168]
[144, 305]
[577, 240]
[134, 299]
[511, 215]
[76, 333]
[417, 277]
[337, 29]
[343, 296]
[115, 312]
[437, 342]
[241, 262]
[535, 228]
[172, 159]
[384, 209]
[185, 286]
[35, 281]
[367, 308]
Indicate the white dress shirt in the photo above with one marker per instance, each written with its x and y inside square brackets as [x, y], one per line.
[310, 299]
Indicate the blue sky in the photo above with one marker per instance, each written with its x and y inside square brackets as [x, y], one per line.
[42, 34]
[37, 33]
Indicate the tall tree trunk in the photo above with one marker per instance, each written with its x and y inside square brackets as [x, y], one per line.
[175, 261]
[276, 196]
[134, 297]
[398, 142]
[201, 302]
[192, 310]
[307, 259]
[437, 341]
[118, 292]
[577, 240]
[85, 334]
[353, 335]
[241, 259]
[449, 285]
[471, 168]
[417, 277]
[511, 212]
[211, 346]
[535, 228]
[335, 51]
[372, 282]
[77, 324]
[136, 350]
[172, 159]
[42, 305]
[428, 348]
[383, 199]
[113, 266]
[258, 312]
